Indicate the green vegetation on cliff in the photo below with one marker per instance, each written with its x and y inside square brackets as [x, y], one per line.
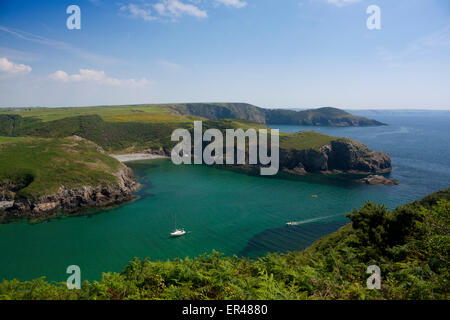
[34, 167]
[304, 140]
[410, 244]
[132, 136]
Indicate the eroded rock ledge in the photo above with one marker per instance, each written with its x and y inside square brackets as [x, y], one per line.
[71, 200]
[377, 179]
[339, 156]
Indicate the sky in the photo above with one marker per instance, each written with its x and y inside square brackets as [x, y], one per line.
[271, 53]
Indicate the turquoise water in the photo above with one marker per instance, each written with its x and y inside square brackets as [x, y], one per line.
[230, 212]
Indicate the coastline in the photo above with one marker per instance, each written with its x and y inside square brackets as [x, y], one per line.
[137, 157]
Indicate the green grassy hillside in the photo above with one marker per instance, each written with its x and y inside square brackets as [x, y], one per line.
[129, 136]
[33, 167]
[410, 244]
[304, 140]
[183, 112]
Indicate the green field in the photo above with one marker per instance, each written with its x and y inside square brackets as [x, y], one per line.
[141, 113]
[304, 140]
[128, 136]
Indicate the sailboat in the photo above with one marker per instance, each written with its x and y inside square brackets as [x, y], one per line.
[177, 232]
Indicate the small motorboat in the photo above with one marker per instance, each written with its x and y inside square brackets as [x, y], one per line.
[178, 233]
[290, 223]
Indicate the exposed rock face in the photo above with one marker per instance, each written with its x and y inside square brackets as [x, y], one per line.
[159, 151]
[341, 155]
[70, 200]
[377, 179]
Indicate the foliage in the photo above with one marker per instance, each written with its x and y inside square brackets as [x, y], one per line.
[129, 136]
[410, 244]
[304, 140]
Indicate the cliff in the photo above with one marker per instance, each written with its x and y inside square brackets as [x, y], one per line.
[40, 177]
[309, 151]
[72, 200]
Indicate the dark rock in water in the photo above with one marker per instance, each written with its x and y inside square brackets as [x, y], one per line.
[377, 179]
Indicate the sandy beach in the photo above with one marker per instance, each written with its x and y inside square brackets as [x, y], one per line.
[137, 157]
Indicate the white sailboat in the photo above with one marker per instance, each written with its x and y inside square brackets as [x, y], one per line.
[177, 232]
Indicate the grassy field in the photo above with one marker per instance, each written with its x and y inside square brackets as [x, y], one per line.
[12, 139]
[37, 166]
[304, 140]
[127, 135]
[138, 113]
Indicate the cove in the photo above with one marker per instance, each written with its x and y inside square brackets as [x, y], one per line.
[222, 210]
[227, 211]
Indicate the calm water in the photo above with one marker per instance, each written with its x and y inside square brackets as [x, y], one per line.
[227, 211]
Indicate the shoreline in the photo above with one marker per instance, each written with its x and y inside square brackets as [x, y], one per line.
[137, 157]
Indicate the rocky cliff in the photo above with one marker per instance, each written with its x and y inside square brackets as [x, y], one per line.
[70, 200]
[338, 156]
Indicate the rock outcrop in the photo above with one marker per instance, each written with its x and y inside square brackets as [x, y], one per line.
[338, 156]
[377, 179]
[71, 200]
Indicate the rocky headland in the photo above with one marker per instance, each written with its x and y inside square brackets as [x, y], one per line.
[71, 200]
[338, 156]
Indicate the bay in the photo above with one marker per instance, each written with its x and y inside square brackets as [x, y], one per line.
[230, 212]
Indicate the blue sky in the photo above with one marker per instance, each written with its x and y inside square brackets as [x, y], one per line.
[272, 53]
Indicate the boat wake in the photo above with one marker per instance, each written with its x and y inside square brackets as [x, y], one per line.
[297, 223]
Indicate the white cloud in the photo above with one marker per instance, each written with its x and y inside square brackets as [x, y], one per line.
[95, 76]
[136, 11]
[169, 65]
[163, 9]
[341, 3]
[60, 45]
[10, 68]
[233, 3]
[176, 8]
